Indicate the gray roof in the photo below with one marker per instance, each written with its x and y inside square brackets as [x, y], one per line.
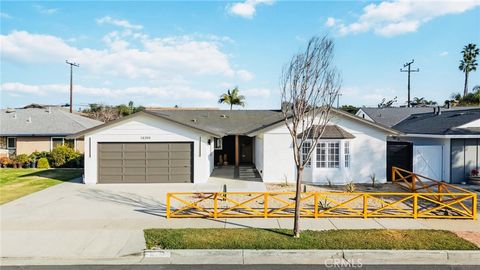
[223, 122]
[447, 123]
[330, 132]
[391, 116]
[55, 121]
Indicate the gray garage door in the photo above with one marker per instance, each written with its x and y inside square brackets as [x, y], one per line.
[145, 162]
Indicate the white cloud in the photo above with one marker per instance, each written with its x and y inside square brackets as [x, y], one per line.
[117, 22]
[256, 92]
[245, 75]
[444, 53]
[172, 92]
[46, 11]
[330, 22]
[390, 18]
[150, 58]
[4, 15]
[248, 8]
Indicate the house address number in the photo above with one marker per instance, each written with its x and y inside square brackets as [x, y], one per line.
[145, 137]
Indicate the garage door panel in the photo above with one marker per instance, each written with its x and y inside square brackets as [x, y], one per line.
[133, 171]
[115, 147]
[134, 155]
[134, 179]
[179, 155]
[134, 147]
[111, 171]
[179, 178]
[179, 163]
[145, 162]
[157, 178]
[157, 163]
[180, 147]
[134, 162]
[153, 171]
[117, 163]
[157, 147]
[112, 155]
[157, 155]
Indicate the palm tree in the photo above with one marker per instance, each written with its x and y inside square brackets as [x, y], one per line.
[232, 98]
[468, 63]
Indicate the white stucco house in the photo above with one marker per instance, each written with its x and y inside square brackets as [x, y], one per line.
[440, 143]
[186, 145]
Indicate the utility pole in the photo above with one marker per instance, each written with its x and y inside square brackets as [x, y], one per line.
[409, 70]
[338, 100]
[72, 64]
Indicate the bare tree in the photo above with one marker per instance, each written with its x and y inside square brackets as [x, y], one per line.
[309, 86]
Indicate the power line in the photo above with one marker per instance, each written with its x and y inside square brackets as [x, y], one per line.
[409, 70]
[72, 64]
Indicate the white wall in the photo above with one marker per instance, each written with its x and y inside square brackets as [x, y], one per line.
[259, 157]
[444, 143]
[368, 156]
[145, 128]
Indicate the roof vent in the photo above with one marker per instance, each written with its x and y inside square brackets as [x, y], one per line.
[29, 120]
[15, 116]
[194, 120]
[223, 116]
[49, 110]
[10, 110]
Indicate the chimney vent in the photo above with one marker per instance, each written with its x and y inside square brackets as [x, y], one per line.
[29, 120]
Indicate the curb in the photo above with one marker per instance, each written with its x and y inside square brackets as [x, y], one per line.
[325, 257]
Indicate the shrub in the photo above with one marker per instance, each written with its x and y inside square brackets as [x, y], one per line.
[5, 161]
[350, 187]
[42, 163]
[38, 155]
[64, 156]
[373, 179]
[22, 159]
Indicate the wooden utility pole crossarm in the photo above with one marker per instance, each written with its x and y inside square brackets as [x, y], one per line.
[409, 70]
[72, 64]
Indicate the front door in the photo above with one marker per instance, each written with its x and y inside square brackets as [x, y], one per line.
[246, 150]
[399, 154]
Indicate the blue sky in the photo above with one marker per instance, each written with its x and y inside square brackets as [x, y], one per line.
[159, 53]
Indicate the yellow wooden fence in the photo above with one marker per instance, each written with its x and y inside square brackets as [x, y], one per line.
[426, 198]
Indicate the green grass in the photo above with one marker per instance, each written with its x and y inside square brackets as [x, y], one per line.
[282, 239]
[16, 183]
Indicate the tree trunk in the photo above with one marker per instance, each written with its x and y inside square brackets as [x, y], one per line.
[231, 106]
[296, 220]
[465, 88]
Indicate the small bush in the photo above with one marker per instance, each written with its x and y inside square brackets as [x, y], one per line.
[373, 179]
[5, 161]
[38, 155]
[22, 159]
[64, 156]
[42, 163]
[350, 187]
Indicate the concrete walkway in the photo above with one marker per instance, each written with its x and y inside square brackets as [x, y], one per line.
[73, 220]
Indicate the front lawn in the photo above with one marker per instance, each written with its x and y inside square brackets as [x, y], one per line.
[282, 239]
[16, 183]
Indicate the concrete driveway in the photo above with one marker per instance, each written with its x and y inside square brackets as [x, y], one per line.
[73, 220]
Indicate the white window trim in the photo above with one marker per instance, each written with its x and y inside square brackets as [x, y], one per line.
[310, 162]
[11, 148]
[341, 154]
[214, 143]
[63, 142]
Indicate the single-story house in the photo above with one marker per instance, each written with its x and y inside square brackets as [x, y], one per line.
[438, 143]
[185, 145]
[40, 128]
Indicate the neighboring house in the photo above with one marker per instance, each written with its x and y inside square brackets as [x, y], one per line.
[40, 128]
[435, 142]
[185, 146]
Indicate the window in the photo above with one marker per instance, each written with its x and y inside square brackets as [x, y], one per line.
[305, 149]
[218, 143]
[328, 155]
[57, 141]
[321, 155]
[346, 152]
[11, 143]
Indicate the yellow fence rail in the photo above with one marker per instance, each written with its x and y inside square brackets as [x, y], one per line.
[436, 200]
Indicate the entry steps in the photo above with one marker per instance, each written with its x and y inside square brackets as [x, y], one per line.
[249, 173]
